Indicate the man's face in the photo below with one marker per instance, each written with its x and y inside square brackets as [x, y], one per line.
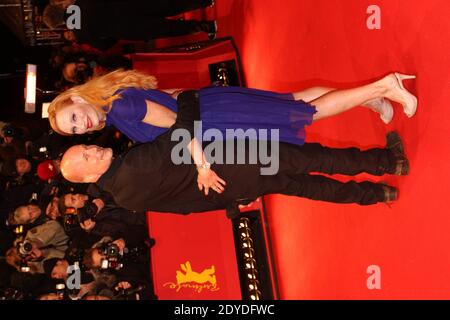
[83, 163]
[77, 72]
[52, 210]
[60, 270]
[97, 258]
[75, 200]
[69, 36]
[28, 214]
[23, 166]
[63, 4]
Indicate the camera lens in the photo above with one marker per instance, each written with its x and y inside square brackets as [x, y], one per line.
[27, 247]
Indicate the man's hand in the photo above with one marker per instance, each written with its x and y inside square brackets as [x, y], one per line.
[121, 244]
[207, 178]
[84, 289]
[123, 285]
[99, 203]
[35, 253]
[87, 225]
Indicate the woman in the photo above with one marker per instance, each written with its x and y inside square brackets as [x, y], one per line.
[128, 100]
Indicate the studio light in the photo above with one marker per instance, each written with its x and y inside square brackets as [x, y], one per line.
[30, 90]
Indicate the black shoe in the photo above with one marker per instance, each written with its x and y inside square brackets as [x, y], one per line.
[395, 145]
[390, 193]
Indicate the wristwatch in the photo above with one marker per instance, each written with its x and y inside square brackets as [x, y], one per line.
[205, 165]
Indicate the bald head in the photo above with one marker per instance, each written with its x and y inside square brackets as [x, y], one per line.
[84, 164]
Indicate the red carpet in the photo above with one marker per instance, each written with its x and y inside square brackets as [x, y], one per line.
[323, 250]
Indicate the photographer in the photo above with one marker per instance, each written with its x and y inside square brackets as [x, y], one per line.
[102, 218]
[42, 242]
[128, 265]
[19, 190]
[26, 215]
[33, 214]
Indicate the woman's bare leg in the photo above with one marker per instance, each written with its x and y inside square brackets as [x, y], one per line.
[390, 87]
[379, 105]
[338, 101]
[311, 94]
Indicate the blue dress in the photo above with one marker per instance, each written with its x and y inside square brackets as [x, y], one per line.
[220, 108]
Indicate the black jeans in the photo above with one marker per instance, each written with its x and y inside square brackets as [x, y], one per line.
[297, 164]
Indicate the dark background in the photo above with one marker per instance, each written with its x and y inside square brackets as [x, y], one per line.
[14, 57]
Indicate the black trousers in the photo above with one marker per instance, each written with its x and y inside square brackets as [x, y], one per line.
[146, 19]
[298, 163]
[168, 8]
[155, 28]
[155, 8]
[135, 19]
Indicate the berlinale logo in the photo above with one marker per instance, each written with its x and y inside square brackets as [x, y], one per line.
[187, 278]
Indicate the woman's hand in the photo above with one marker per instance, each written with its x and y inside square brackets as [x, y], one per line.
[207, 178]
[175, 93]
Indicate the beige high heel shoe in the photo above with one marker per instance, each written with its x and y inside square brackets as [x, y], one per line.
[383, 107]
[409, 101]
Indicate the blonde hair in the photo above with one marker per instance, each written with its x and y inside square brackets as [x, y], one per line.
[100, 92]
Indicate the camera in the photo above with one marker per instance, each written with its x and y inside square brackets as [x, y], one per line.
[110, 250]
[73, 217]
[87, 212]
[133, 293]
[113, 257]
[64, 293]
[60, 290]
[9, 131]
[24, 248]
[83, 74]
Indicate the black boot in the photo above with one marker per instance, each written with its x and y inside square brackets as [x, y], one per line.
[390, 193]
[395, 145]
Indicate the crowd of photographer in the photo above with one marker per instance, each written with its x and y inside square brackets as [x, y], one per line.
[60, 240]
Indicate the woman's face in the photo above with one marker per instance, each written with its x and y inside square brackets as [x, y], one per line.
[77, 118]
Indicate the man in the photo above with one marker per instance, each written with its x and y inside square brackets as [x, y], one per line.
[56, 268]
[26, 214]
[47, 240]
[133, 271]
[145, 178]
[80, 68]
[103, 22]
